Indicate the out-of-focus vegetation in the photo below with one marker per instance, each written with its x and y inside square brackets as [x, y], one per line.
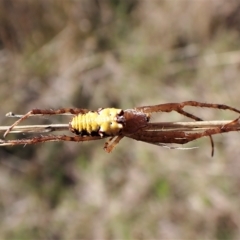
[119, 53]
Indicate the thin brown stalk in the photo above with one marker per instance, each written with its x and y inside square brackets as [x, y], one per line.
[164, 126]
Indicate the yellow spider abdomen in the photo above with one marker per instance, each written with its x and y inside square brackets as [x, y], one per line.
[85, 122]
[103, 122]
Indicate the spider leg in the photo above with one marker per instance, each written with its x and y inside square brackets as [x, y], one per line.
[169, 107]
[34, 112]
[50, 138]
[112, 142]
[178, 107]
[189, 115]
[179, 137]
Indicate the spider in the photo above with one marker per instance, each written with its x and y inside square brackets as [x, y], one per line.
[116, 123]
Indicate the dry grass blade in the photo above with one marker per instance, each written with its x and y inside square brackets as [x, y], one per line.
[163, 126]
[37, 128]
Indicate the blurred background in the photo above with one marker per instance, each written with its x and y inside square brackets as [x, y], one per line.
[119, 53]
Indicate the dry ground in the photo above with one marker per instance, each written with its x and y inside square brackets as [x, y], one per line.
[120, 53]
